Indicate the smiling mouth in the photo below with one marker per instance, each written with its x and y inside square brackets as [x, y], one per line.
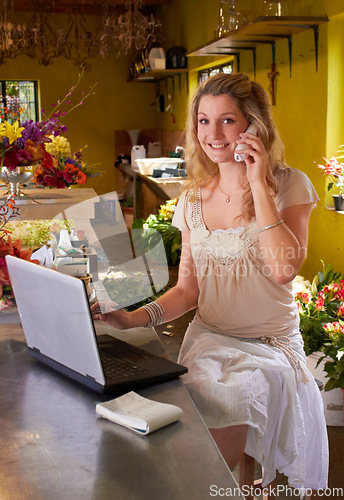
[218, 146]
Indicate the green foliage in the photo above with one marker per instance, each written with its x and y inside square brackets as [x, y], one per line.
[36, 233]
[334, 368]
[171, 235]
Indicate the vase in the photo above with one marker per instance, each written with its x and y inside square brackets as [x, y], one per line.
[338, 200]
[14, 178]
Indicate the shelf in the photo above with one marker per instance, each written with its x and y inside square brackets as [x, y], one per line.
[264, 30]
[156, 75]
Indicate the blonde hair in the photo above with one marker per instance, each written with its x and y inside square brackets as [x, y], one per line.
[253, 101]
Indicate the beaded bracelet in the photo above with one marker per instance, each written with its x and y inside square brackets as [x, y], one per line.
[271, 225]
[156, 313]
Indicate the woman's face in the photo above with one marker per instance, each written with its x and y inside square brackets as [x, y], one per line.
[220, 122]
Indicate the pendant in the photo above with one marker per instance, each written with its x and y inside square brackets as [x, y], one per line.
[228, 200]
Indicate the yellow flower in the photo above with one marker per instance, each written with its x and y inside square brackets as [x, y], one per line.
[58, 145]
[12, 132]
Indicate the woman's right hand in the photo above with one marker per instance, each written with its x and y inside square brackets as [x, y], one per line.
[107, 312]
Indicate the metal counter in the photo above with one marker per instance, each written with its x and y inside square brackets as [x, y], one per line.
[54, 446]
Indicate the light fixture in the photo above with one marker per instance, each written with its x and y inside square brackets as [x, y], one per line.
[118, 31]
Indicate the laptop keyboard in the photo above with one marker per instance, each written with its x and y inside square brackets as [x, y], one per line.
[117, 368]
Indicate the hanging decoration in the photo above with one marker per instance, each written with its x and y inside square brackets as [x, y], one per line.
[118, 31]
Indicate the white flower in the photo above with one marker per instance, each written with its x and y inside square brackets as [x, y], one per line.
[300, 284]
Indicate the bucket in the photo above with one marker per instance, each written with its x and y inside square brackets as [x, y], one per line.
[154, 150]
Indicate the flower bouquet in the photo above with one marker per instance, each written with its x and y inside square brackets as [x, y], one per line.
[335, 170]
[319, 303]
[321, 310]
[23, 146]
[61, 169]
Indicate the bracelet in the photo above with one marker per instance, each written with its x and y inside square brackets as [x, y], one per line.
[271, 225]
[156, 313]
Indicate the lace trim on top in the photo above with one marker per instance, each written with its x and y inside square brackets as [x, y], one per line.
[223, 245]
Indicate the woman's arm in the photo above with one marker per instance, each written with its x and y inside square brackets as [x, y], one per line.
[177, 301]
[283, 246]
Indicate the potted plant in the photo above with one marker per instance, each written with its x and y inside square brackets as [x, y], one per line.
[335, 170]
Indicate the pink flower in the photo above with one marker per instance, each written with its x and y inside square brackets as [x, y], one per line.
[332, 287]
[339, 295]
[319, 304]
[321, 295]
[332, 327]
[340, 311]
[305, 297]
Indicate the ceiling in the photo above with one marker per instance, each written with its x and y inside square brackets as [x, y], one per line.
[87, 6]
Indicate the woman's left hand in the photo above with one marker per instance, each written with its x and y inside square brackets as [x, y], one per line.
[257, 158]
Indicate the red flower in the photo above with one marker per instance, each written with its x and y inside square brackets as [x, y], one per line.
[81, 178]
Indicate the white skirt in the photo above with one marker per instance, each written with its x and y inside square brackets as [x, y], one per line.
[245, 381]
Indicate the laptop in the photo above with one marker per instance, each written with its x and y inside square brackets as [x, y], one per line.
[60, 332]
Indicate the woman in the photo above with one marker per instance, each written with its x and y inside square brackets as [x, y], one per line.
[244, 231]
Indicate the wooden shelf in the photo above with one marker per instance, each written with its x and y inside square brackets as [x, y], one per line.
[261, 31]
[156, 75]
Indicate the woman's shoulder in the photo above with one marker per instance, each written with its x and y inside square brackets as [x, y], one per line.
[288, 174]
[293, 187]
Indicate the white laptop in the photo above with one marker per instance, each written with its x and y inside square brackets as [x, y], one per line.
[59, 331]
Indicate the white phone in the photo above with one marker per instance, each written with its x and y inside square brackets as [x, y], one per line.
[252, 129]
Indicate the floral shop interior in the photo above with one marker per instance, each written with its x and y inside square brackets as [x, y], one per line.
[94, 100]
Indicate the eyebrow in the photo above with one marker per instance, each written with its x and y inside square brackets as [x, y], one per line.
[222, 114]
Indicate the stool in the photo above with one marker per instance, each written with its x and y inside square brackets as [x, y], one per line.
[246, 476]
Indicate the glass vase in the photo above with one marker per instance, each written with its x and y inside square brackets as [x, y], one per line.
[275, 8]
[230, 19]
[15, 178]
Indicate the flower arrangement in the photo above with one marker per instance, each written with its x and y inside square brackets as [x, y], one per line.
[335, 170]
[61, 169]
[27, 144]
[321, 310]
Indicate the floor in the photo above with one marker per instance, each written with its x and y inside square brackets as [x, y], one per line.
[171, 335]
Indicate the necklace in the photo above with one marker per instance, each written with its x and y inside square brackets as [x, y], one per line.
[228, 196]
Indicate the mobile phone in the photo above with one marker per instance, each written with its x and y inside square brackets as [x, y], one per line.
[252, 129]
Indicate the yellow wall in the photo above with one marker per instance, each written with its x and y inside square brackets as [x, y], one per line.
[308, 109]
[116, 105]
[308, 104]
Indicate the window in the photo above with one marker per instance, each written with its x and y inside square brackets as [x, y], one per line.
[19, 100]
[204, 74]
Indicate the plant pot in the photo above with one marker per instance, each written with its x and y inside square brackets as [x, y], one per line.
[338, 200]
